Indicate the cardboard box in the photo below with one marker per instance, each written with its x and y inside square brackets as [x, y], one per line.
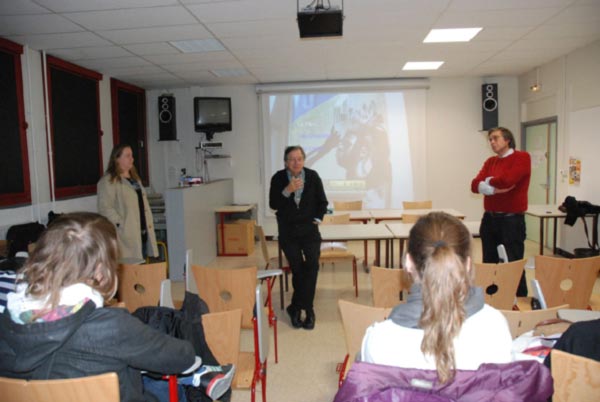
[239, 238]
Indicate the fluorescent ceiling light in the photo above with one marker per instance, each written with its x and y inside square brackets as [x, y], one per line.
[229, 72]
[198, 45]
[451, 35]
[422, 65]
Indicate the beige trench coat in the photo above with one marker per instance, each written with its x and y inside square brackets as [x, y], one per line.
[118, 201]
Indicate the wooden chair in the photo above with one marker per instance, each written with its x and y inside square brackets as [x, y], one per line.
[97, 388]
[222, 332]
[567, 281]
[417, 204]
[499, 282]
[347, 205]
[338, 251]
[389, 286]
[140, 285]
[520, 322]
[576, 378]
[356, 318]
[410, 218]
[272, 262]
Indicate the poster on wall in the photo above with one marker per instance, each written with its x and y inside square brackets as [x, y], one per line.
[574, 170]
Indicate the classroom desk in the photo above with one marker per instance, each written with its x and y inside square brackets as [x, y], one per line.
[364, 216]
[545, 212]
[223, 212]
[401, 231]
[396, 214]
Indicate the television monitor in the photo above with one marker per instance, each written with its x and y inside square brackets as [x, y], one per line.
[212, 115]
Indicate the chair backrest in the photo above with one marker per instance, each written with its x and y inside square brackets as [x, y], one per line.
[499, 282]
[340, 219]
[425, 204]
[520, 322]
[139, 285]
[222, 332]
[567, 281]
[388, 285]
[262, 326]
[410, 218]
[260, 233]
[356, 318]
[226, 289]
[98, 388]
[347, 205]
[576, 378]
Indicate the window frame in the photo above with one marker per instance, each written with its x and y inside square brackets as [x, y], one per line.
[24, 197]
[115, 86]
[70, 68]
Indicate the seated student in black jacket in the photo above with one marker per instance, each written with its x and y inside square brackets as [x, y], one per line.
[55, 325]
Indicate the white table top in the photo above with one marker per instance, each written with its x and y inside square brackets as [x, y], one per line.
[362, 214]
[544, 211]
[354, 231]
[401, 230]
[234, 208]
[397, 213]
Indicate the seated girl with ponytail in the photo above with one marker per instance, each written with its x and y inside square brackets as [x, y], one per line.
[445, 324]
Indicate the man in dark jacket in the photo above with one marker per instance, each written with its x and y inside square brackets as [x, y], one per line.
[298, 196]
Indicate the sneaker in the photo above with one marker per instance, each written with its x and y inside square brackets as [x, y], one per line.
[215, 380]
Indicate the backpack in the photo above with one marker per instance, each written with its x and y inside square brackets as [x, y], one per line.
[20, 236]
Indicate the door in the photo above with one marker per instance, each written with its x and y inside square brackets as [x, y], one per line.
[540, 142]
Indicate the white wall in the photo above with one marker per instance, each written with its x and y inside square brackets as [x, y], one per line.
[570, 90]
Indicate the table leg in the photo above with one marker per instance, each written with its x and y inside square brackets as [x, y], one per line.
[542, 220]
[377, 251]
[280, 256]
[554, 236]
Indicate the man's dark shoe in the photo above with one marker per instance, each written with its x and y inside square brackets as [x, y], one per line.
[309, 322]
[294, 316]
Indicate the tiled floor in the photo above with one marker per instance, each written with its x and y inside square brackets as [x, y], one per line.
[307, 359]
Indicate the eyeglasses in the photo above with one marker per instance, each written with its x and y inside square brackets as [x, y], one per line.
[295, 159]
[495, 137]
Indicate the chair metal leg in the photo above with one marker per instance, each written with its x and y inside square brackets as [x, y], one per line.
[355, 275]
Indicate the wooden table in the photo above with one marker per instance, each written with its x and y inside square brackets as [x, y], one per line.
[364, 216]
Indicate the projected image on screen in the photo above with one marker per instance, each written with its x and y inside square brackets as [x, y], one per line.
[358, 142]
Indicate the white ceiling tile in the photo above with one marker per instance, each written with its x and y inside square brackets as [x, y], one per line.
[189, 58]
[105, 64]
[61, 6]
[495, 18]
[584, 29]
[87, 53]
[152, 49]
[505, 4]
[36, 24]
[135, 70]
[157, 34]
[244, 11]
[19, 7]
[254, 28]
[61, 41]
[578, 14]
[132, 18]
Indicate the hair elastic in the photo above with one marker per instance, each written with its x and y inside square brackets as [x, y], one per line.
[439, 243]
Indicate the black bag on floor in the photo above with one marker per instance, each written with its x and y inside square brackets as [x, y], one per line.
[579, 209]
[20, 236]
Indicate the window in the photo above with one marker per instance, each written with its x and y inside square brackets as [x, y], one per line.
[75, 128]
[14, 164]
[129, 122]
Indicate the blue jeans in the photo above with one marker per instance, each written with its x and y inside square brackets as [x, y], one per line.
[160, 389]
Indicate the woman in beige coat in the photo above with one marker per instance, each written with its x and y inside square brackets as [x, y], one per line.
[121, 197]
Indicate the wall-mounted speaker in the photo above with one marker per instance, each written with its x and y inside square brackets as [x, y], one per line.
[489, 105]
[167, 127]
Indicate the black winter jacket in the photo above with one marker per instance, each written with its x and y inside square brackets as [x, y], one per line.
[91, 341]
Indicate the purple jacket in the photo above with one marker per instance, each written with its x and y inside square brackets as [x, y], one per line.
[527, 381]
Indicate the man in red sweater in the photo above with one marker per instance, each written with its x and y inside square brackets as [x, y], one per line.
[504, 182]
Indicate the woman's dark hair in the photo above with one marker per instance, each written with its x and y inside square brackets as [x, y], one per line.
[113, 167]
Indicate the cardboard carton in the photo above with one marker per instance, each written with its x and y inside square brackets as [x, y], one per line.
[239, 237]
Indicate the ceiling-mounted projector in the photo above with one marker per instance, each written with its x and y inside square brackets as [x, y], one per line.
[317, 21]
